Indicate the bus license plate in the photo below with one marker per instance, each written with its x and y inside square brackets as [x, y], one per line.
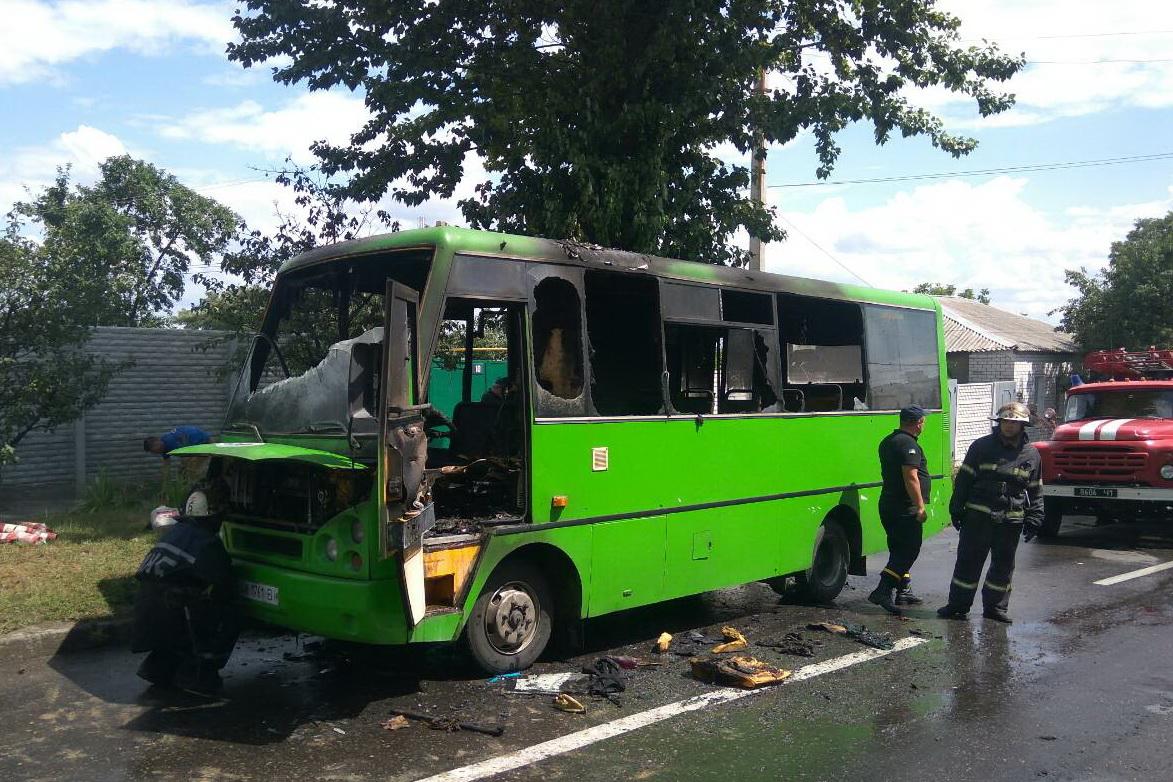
[262, 593]
[1092, 491]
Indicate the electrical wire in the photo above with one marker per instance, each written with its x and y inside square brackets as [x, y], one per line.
[987, 171]
[825, 252]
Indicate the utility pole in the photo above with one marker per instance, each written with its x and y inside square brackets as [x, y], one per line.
[757, 179]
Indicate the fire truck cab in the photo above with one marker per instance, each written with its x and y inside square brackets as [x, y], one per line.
[1112, 456]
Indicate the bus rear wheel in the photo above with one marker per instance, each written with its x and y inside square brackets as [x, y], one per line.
[827, 575]
[511, 620]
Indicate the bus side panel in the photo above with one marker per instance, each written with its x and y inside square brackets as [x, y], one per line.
[627, 564]
[720, 547]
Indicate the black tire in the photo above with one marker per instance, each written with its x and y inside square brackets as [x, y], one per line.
[1052, 521]
[511, 620]
[827, 575]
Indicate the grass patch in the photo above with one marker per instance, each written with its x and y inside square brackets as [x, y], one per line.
[88, 572]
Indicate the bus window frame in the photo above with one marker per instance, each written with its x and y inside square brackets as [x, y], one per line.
[544, 401]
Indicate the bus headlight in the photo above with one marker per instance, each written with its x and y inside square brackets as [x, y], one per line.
[1167, 472]
[331, 549]
[356, 531]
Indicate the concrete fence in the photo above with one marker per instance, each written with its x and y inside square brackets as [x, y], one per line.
[174, 380]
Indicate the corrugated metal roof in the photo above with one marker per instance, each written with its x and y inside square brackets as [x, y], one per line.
[973, 327]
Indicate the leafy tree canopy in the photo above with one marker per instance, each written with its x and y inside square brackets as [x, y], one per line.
[937, 289]
[127, 242]
[1130, 303]
[598, 120]
[46, 379]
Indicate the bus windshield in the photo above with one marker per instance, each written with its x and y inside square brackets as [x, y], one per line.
[323, 334]
[1124, 403]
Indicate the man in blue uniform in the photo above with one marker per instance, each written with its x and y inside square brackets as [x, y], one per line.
[903, 498]
[996, 498]
[184, 614]
[176, 438]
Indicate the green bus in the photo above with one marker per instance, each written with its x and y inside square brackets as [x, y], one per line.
[658, 428]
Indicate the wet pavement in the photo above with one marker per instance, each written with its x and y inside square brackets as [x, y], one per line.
[1079, 688]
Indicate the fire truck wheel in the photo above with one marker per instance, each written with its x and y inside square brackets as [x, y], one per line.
[1052, 520]
[511, 620]
[823, 582]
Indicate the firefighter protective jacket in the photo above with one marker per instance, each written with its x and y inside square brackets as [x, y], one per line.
[1000, 481]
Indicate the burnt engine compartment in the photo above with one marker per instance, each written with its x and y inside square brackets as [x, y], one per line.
[469, 496]
[286, 494]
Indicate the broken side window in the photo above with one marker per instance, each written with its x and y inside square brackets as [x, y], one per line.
[823, 369]
[747, 307]
[716, 370]
[903, 365]
[746, 381]
[623, 330]
[557, 345]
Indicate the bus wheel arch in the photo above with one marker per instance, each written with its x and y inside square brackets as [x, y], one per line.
[832, 557]
[529, 595]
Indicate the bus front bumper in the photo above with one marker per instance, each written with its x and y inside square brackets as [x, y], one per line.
[344, 609]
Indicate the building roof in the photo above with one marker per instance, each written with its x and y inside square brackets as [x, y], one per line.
[973, 327]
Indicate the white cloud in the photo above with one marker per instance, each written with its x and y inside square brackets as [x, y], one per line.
[972, 235]
[289, 130]
[1068, 44]
[38, 36]
[34, 167]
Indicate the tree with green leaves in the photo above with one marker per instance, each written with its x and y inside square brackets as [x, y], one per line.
[128, 241]
[939, 289]
[46, 377]
[601, 121]
[1129, 303]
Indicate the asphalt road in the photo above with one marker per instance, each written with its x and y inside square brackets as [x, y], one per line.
[1079, 688]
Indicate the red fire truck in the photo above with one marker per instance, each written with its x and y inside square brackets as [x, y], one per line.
[1112, 457]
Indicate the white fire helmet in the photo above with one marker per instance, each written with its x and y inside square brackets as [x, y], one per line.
[1013, 411]
[197, 504]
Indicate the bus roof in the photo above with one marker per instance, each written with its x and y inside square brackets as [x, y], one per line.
[502, 245]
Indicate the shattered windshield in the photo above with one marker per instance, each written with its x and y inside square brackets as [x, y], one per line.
[315, 364]
[1139, 403]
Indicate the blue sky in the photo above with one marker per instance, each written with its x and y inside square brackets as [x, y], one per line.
[82, 80]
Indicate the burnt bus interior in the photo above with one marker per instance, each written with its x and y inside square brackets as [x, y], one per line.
[476, 454]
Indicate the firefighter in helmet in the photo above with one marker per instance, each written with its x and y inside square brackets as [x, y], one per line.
[997, 497]
[184, 614]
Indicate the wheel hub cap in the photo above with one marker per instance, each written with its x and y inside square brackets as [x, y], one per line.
[512, 620]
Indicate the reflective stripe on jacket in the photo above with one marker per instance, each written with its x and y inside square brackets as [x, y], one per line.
[1001, 481]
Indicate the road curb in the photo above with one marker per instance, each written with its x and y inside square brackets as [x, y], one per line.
[55, 638]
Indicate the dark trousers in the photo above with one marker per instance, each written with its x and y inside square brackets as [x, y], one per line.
[185, 630]
[982, 536]
[904, 540]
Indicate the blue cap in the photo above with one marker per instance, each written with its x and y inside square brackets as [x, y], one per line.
[912, 413]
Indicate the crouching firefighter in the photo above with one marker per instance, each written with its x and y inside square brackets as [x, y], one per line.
[997, 497]
[184, 614]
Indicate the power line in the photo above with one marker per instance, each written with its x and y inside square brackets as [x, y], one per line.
[1090, 62]
[987, 171]
[824, 251]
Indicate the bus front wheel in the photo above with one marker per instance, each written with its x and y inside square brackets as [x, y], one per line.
[511, 620]
[823, 582]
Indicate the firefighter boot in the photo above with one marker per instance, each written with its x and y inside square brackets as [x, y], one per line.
[998, 615]
[904, 595]
[952, 612]
[882, 596]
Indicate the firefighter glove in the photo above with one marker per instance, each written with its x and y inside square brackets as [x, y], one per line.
[957, 523]
[1029, 532]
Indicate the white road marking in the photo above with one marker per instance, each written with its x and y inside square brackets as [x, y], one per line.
[588, 736]
[1144, 571]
